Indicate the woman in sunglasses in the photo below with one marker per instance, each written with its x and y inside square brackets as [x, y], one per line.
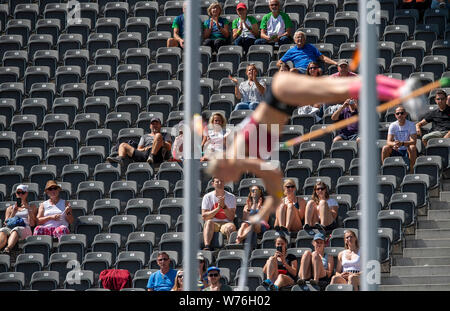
[348, 266]
[10, 236]
[291, 212]
[55, 214]
[178, 286]
[255, 201]
[321, 211]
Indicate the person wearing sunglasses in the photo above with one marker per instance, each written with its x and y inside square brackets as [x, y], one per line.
[164, 278]
[10, 236]
[401, 139]
[54, 215]
[214, 280]
[255, 201]
[202, 281]
[291, 212]
[321, 210]
[348, 262]
[302, 54]
[178, 286]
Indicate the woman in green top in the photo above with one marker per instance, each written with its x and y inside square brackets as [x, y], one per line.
[245, 28]
[216, 31]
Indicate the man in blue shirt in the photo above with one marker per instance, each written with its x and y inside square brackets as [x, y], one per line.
[164, 279]
[302, 54]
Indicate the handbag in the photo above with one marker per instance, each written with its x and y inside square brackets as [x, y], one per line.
[15, 221]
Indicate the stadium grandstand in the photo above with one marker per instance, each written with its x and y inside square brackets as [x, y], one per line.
[72, 88]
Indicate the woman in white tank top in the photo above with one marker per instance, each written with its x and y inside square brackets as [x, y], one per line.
[55, 214]
[349, 262]
[23, 210]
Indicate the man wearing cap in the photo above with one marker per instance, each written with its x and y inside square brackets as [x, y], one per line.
[343, 70]
[302, 54]
[276, 26]
[214, 281]
[153, 148]
[245, 28]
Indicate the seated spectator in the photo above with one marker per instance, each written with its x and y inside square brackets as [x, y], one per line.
[439, 119]
[177, 148]
[343, 70]
[153, 148]
[316, 264]
[284, 67]
[291, 212]
[440, 4]
[347, 110]
[245, 28]
[349, 262]
[214, 138]
[281, 268]
[218, 211]
[10, 235]
[216, 32]
[202, 282]
[314, 69]
[401, 139]
[250, 92]
[214, 281]
[276, 26]
[255, 201]
[178, 286]
[302, 54]
[54, 215]
[164, 278]
[178, 30]
[321, 211]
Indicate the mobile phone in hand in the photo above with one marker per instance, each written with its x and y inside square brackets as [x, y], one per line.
[280, 249]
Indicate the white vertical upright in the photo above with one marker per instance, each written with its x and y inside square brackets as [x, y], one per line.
[368, 131]
[190, 163]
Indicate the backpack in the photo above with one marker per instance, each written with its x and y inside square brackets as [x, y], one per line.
[115, 279]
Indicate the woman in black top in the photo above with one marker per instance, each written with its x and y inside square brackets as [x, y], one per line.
[281, 268]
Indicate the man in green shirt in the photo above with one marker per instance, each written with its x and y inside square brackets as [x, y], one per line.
[276, 27]
[245, 28]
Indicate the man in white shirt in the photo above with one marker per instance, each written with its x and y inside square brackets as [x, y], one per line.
[218, 211]
[401, 139]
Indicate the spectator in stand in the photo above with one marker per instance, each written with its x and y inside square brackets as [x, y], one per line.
[202, 282]
[177, 148]
[245, 28]
[291, 212]
[313, 70]
[164, 278]
[276, 26]
[214, 281]
[153, 148]
[343, 70]
[321, 211]
[349, 262]
[218, 211]
[178, 30]
[178, 287]
[54, 215]
[284, 67]
[347, 110]
[439, 119]
[255, 201]
[401, 139]
[216, 133]
[281, 268]
[9, 236]
[316, 265]
[216, 32]
[302, 54]
[250, 92]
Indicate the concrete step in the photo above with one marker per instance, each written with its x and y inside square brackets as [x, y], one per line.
[434, 224]
[427, 252]
[433, 234]
[415, 280]
[427, 243]
[415, 287]
[421, 271]
[438, 214]
[422, 261]
[444, 196]
[439, 205]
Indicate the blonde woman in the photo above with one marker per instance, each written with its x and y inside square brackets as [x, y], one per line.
[216, 29]
[178, 286]
[290, 213]
[349, 262]
[215, 135]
